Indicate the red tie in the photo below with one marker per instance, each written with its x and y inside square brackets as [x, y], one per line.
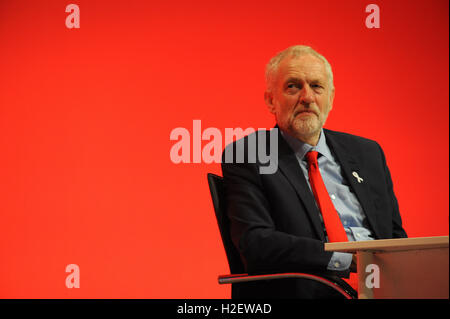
[333, 225]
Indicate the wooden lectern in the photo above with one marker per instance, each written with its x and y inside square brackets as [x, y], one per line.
[400, 268]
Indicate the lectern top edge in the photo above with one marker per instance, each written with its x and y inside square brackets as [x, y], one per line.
[390, 244]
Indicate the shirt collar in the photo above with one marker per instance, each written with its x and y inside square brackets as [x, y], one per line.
[301, 148]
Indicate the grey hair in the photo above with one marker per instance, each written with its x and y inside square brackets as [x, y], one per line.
[294, 51]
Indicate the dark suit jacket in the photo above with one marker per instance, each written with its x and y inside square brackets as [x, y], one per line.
[275, 222]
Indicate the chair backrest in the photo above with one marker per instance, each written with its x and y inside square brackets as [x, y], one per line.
[217, 189]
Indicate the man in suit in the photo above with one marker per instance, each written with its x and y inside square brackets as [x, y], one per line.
[276, 221]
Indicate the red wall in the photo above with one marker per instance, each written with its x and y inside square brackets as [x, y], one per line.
[86, 114]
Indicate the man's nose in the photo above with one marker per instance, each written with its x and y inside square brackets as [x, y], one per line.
[306, 95]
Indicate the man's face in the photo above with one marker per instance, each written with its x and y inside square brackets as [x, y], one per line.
[301, 97]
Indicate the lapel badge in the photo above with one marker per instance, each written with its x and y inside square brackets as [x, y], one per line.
[355, 174]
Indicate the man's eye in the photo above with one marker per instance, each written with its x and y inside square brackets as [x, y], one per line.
[292, 86]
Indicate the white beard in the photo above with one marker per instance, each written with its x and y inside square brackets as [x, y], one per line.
[307, 127]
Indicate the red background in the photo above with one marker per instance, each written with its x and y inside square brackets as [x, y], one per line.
[86, 114]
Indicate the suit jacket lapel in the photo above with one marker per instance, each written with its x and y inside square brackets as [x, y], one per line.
[349, 165]
[290, 168]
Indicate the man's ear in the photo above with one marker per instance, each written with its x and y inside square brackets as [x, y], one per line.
[332, 99]
[268, 97]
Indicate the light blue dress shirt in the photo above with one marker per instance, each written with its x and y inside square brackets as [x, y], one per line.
[344, 200]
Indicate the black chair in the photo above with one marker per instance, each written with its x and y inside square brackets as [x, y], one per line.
[238, 275]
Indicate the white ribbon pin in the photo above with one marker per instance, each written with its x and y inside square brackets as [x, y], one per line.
[355, 174]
